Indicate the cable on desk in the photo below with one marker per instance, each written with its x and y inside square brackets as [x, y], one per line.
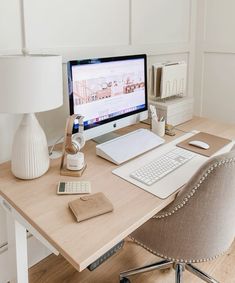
[187, 132]
[53, 146]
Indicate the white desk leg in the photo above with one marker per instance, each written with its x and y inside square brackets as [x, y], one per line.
[17, 250]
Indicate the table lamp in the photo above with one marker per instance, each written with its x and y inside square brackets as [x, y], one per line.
[29, 84]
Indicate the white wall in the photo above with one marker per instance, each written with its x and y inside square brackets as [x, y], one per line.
[10, 41]
[215, 60]
[164, 29]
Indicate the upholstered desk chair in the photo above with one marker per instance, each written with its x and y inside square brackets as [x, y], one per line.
[198, 226]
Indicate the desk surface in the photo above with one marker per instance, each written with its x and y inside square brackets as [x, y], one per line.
[82, 243]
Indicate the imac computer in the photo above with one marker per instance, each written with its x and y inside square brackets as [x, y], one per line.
[110, 93]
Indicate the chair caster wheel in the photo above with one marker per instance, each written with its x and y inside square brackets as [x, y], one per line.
[125, 280]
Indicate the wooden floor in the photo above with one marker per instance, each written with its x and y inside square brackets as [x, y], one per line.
[55, 269]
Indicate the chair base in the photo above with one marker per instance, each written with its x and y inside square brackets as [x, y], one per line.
[164, 264]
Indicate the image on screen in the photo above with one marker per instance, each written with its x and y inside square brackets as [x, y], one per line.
[108, 89]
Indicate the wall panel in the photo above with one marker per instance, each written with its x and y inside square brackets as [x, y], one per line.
[219, 21]
[76, 23]
[218, 92]
[160, 21]
[215, 60]
[10, 32]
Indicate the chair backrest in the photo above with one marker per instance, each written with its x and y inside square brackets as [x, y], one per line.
[202, 217]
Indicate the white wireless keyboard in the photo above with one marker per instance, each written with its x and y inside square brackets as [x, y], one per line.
[128, 146]
[161, 166]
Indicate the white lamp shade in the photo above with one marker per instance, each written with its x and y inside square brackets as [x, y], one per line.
[31, 83]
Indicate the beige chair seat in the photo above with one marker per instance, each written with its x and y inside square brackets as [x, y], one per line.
[198, 225]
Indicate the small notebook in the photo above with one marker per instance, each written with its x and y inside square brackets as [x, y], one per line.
[90, 206]
[215, 143]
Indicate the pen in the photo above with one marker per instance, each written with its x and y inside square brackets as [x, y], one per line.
[153, 112]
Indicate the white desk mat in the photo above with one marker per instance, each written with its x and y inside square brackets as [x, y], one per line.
[171, 182]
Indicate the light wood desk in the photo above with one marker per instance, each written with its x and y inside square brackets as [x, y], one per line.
[34, 205]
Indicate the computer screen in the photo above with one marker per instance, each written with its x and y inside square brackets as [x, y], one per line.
[108, 90]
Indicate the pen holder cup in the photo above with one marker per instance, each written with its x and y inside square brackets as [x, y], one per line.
[158, 128]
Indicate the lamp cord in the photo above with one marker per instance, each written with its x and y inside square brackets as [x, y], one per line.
[24, 49]
[53, 146]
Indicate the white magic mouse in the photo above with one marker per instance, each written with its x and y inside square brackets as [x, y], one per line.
[200, 144]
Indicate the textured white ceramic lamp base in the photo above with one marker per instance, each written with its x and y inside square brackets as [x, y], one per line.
[30, 157]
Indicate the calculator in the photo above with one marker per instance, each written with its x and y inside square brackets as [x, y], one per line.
[73, 188]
